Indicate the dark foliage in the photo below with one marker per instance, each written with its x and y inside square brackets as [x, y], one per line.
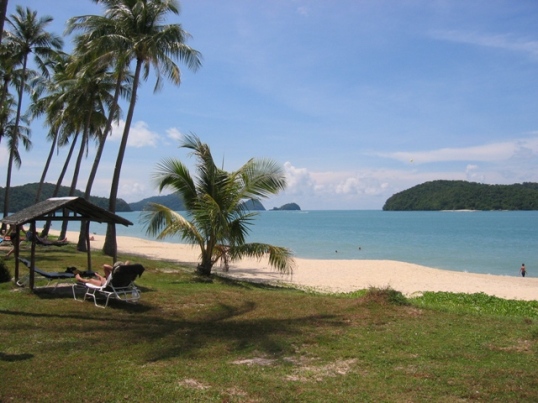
[462, 195]
[5, 275]
[24, 196]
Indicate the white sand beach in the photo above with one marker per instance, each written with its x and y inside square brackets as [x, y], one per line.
[342, 275]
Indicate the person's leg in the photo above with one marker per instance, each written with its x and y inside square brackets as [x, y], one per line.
[94, 281]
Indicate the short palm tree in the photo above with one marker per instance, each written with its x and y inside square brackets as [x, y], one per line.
[217, 218]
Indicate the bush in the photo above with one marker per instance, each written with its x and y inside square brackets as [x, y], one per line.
[5, 275]
[384, 296]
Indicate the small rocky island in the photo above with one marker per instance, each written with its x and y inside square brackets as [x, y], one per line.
[287, 207]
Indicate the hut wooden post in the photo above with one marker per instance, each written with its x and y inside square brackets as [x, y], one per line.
[32, 256]
[87, 240]
[16, 255]
[16, 247]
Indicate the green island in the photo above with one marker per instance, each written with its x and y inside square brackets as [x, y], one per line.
[210, 339]
[463, 195]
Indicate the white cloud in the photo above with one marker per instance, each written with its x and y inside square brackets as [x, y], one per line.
[494, 152]
[473, 174]
[133, 189]
[174, 134]
[139, 135]
[299, 180]
[506, 42]
[368, 182]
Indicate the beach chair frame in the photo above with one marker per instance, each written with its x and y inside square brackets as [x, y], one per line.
[119, 285]
[45, 275]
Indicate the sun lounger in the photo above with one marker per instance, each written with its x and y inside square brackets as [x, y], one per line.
[49, 276]
[119, 285]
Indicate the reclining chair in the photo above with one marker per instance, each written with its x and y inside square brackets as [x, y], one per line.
[119, 285]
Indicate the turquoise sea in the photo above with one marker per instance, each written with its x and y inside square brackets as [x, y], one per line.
[493, 242]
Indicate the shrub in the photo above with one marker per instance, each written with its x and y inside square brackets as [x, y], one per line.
[385, 296]
[5, 275]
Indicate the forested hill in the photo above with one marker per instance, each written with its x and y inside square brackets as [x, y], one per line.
[24, 196]
[175, 202]
[462, 195]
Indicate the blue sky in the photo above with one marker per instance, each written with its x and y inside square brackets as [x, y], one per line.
[357, 100]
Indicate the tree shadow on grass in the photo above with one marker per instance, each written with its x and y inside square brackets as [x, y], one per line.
[166, 336]
[14, 357]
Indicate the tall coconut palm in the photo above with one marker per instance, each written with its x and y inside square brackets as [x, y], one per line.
[3, 11]
[88, 96]
[134, 29]
[218, 220]
[10, 73]
[17, 135]
[28, 35]
[119, 81]
[52, 106]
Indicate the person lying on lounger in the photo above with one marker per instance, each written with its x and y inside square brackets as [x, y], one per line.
[99, 280]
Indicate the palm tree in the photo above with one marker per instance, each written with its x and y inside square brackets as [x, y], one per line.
[27, 36]
[218, 220]
[3, 10]
[11, 73]
[52, 106]
[16, 135]
[88, 98]
[132, 28]
[119, 81]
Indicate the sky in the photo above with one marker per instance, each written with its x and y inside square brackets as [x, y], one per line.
[355, 99]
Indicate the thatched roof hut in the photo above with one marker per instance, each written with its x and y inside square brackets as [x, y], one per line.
[59, 209]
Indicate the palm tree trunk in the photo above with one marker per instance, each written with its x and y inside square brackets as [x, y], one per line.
[46, 168]
[81, 246]
[3, 11]
[8, 184]
[110, 246]
[76, 171]
[15, 139]
[46, 227]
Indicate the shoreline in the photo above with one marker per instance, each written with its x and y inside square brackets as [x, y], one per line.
[338, 276]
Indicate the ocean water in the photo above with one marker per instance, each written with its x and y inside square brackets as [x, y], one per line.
[492, 242]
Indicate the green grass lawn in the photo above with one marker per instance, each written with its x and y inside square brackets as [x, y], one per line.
[213, 340]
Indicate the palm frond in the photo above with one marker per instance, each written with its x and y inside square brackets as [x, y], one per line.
[218, 219]
[279, 257]
[162, 222]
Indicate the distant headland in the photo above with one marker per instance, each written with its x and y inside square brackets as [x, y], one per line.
[461, 195]
[24, 196]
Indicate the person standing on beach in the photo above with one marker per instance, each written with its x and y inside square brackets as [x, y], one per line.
[523, 270]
